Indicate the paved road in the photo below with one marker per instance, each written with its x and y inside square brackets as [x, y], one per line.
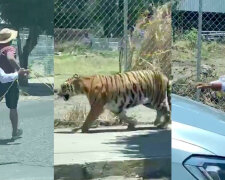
[82, 148]
[30, 157]
[109, 152]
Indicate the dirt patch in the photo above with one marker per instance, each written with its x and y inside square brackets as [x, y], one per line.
[184, 74]
[73, 113]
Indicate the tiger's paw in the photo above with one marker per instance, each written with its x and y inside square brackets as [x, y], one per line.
[157, 123]
[131, 127]
[75, 130]
[84, 130]
[162, 125]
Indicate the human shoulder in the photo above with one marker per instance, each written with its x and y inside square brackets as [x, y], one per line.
[8, 49]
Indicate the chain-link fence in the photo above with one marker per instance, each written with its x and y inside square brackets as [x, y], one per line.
[107, 37]
[41, 58]
[133, 29]
[198, 48]
[139, 32]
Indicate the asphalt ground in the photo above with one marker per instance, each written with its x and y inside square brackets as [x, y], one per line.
[31, 156]
[112, 151]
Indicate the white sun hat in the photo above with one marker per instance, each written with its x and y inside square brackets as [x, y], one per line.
[7, 35]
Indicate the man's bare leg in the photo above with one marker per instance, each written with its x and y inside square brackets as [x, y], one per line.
[14, 120]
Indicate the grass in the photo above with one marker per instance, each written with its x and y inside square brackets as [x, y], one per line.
[184, 70]
[85, 64]
[212, 54]
[73, 118]
[76, 117]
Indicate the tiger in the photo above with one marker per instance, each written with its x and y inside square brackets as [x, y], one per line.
[120, 92]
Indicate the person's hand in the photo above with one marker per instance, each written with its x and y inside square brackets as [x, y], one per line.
[216, 86]
[203, 86]
[23, 72]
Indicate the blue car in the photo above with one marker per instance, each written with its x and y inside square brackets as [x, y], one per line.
[198, 141]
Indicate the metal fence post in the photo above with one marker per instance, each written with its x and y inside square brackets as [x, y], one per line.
[199, 47]
[125, 34]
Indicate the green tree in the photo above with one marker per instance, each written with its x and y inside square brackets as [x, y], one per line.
[36, 15]
[69, 14]
[108, 14]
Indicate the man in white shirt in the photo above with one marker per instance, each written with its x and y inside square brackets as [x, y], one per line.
[218, 85]
[6, 78]
[9, 65]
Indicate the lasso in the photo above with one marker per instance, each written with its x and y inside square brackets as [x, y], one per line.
[36, 75]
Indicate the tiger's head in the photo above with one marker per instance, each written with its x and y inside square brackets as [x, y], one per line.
[70, 87]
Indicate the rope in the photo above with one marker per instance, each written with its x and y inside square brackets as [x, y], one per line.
[36, 75]
[7, 90]
[49, 86]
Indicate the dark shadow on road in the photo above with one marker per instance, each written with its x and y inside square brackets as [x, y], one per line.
[106, 130]
[7, 141]
[2, 164]
[121, 130]
[38, 89]
[156, 146]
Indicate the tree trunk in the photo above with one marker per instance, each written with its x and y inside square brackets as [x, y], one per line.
[31, 42]
[19, 45]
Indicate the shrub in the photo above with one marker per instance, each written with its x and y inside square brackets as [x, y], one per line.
[191, 36]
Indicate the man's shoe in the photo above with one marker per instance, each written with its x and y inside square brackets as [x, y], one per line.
[18, 134]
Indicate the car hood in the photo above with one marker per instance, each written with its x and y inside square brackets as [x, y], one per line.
[198, 124]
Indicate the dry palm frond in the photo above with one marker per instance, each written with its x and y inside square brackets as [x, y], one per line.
[155, 35]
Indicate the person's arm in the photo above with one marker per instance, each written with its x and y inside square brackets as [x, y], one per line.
[12, 60]
[214, 85]
[6, 78]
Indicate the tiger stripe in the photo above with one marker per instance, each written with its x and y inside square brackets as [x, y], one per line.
[121, 91]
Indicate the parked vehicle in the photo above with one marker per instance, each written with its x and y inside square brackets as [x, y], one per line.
[198, 141]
